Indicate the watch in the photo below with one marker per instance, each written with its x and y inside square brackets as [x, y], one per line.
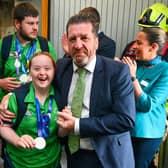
[133, 78]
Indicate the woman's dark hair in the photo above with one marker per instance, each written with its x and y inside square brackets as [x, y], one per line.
[155, 35]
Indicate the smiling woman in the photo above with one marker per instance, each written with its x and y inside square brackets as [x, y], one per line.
[150, 88]
[35, 138]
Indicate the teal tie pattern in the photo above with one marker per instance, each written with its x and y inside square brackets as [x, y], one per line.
[76, 108]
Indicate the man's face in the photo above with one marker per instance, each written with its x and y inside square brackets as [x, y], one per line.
[28, 28]
[82, 43]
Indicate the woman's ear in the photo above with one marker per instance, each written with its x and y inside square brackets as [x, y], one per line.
[155, 46]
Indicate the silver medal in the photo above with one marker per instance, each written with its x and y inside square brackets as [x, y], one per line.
[40, 143]
[23, 78]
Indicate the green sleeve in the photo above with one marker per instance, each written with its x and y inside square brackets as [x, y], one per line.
[12, 105]
[52, 51]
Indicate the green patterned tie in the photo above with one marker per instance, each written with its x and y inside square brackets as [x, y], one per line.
[76, 107]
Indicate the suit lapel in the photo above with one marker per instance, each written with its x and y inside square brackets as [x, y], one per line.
[66, 78]
[96, 85]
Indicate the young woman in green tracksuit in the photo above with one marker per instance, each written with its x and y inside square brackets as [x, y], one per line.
[35, 143]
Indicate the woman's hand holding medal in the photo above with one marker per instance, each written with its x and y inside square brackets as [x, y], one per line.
[25, 141]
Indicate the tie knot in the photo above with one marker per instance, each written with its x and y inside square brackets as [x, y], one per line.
[82, 71]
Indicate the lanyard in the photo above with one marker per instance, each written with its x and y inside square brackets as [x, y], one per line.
[43, 120]
[18, 52]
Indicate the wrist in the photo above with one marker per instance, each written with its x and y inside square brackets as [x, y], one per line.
[133, 78]
[16, 142]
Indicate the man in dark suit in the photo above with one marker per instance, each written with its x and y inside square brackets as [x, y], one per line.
[106, 47]
[108, 106]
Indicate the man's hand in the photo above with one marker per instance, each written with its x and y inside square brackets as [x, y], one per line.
[66, 120]
[9, 84]
[5, 100]
[64, 41]
[5, 115]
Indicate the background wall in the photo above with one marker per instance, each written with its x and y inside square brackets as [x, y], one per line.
[118, 18]
[6, 26]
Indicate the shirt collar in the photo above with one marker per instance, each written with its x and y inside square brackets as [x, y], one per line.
[89, 67]
[30, 94]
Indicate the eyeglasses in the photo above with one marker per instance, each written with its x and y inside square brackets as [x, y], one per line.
[146, 19]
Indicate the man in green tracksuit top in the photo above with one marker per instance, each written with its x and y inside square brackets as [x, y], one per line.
[23, 44]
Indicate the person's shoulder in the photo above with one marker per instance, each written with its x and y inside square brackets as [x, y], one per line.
[64, 62]
[161, 68]
[112, 68]
[164, 65]
[111, 63]
[7, 38]
[102, 36]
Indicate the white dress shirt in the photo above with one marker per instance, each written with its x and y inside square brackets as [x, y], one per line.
[85, 143]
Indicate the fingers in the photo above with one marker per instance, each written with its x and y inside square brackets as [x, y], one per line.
[117, 59]
[5, 100]
[25, 141]
[60, 122]
[64, 115]
[11, 79]
[10, 84]
[67, 110]
[66, 121]
[126, 60]
[6, 115]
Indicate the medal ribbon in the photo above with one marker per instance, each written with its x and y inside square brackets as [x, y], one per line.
[43, 120]
[18, 52]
